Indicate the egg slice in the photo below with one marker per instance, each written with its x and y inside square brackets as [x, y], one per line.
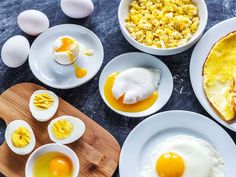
[219, 77]
[20, 137]
[66, 50]
[184, 156]
[43, 105]
[66, 129]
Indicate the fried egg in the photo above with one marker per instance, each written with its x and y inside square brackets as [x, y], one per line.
[219, 77]
[20, 137]
[43, 105]
[184, 156]
[132, 90]
[66, 129]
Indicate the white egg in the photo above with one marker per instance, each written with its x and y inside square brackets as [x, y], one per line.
[66, 129]
[15, 51]
[43, 109]
[200, 159]
[11, 128]
[33, 22]
[136, 84]
[77, 8]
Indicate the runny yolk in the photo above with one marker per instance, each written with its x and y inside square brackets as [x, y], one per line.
[79, 72]
[119, 105]
[66, 44]
[60, 167]
[170, 165]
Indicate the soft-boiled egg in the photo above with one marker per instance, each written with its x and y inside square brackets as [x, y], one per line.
[33, 22]
[20, 137]
[132, 90]
[43, 105]
[14, 55]
[66, 129]
[184, 156]
[219, 77]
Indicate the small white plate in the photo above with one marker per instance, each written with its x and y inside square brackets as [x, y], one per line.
[48, 71]
[137, 59]
[198, 59]
[140, 144]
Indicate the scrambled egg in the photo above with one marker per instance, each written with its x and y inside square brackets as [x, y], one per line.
[220, 77]
[162, 23]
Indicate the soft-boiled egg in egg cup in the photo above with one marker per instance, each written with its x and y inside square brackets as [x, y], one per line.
[20, 137]
[43, 105]
[52, 160]
[135, 84]
[66, 129]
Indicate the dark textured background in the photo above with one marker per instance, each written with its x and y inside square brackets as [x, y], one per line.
[104, 23]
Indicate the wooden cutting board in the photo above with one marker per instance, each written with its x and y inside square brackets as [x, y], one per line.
[97, 150]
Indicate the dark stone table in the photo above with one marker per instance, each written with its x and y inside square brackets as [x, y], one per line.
[105, 24]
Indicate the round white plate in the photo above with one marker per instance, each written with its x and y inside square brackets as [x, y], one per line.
[140, 144]
[48, 71]
[137, 59]
[198, 58]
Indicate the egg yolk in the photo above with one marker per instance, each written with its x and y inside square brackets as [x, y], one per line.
[60, 167]
[66, 44]
[62, 129]
[170, 165]
[20, 137]
[119, 105]
[79, 72]
[43, 101]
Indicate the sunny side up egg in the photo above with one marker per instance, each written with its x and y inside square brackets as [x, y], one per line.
[184, 156]
[132, 90]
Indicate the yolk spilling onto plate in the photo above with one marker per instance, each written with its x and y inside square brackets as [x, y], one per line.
[119, 105]
[43, 101]
[79, 72]
[20, 137]
[53, 164]
[62, 129]
[170, 165]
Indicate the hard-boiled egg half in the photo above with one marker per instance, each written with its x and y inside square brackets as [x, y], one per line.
[132, 90]
[43, 105]
[66, 129]
[20, 137]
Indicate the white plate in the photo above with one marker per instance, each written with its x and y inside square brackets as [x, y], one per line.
[48, 71]
[139, 146]
[198, 58]
[137, 59]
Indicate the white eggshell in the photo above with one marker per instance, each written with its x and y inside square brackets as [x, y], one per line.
[43, 115]
[78, 129]
[15, 51]
[77, 8]
[33, 22]
[11, 127]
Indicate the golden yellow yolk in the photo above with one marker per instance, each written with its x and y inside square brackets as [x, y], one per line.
[43, 101]
[60, 167]
[20, 137]
[170, 165]
[62, 129]
[66, 44]
[119, 105]
[79, 72]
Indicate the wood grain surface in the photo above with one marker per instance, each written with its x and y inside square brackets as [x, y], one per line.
[97, 150]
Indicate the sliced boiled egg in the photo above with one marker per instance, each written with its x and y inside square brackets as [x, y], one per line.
[66, 129]
[132, 90]
[20, 137]
[43, 105]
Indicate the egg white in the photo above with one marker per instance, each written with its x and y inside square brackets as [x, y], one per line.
[200, 158]
[43, 115]
[136, 84]
[11, 127]
[78, 129]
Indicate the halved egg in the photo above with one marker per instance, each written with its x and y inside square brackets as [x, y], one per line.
[43, 105]
[66, 129]
[20, 137]
[132, 90]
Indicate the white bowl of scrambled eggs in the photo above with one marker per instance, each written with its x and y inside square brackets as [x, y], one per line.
[162, 27]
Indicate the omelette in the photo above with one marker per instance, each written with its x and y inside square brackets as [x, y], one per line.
[219, 77]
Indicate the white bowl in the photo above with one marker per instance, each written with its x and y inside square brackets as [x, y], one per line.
[53, 147]
[138, 59]
[124, 11]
